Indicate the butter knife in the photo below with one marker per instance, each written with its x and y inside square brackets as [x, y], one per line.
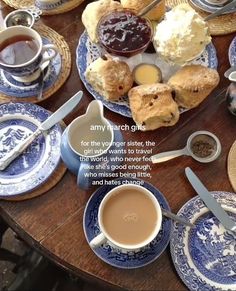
[225, 8]
[47, 124]
[210, 201]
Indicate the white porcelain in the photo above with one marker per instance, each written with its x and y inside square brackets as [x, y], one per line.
[29, 71]
[104, 236]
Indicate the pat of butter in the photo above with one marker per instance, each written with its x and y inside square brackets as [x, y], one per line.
[147, 74]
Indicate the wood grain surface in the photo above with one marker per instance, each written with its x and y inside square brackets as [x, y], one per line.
[52, 223]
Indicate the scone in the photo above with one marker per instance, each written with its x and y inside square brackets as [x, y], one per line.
[111, 78]
[94, 12]
[155, 14]
[152, 106]
[192, 84]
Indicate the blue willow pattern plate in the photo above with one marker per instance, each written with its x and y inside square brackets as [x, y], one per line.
[39, 160]
[232, 52]
[205, 256]
[113, 256]
[11, 87]
[87, 52]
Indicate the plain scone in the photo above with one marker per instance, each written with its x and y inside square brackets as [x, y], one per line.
[192, 84]
[152, 106]
[111, 78]
[155, 14]
[94, 12]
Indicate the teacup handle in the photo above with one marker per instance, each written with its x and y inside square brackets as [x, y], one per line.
[83, 180]
[97, 241]
[49, 57]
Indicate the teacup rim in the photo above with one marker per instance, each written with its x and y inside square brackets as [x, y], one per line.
[39, 40]
[154, 233]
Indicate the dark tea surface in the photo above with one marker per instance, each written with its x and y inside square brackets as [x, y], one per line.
[18, 50]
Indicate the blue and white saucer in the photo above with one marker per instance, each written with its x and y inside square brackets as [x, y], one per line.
[87, 52]
[39, 160]
[232, 52]
[209, 7]
[205, 256]
[11, 87]
[115, 257]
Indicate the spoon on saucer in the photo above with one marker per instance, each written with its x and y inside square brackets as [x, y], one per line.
[177, 218]
[203, 146]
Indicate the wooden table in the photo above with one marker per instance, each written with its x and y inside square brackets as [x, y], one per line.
[52, 223]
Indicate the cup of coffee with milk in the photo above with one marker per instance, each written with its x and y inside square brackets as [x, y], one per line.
[129, 218]
[22, 53]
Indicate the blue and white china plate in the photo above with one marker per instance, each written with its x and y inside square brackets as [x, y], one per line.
[232, 52]
[11, 87]
[39, 160]
[205, 256]
[208, 7]
[113, 256]
[87, 52]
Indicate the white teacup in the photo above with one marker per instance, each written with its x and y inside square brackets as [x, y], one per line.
[29, 69]
[129, 218]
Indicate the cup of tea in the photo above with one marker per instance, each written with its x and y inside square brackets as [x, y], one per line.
[22, 52]
[129, 218]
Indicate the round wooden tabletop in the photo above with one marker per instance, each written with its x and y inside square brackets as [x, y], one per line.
[52, 223]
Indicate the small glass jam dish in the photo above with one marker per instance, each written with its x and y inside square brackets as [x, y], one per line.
[203, 146]
[123, 33]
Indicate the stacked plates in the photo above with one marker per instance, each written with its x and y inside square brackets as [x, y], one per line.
[212, 6]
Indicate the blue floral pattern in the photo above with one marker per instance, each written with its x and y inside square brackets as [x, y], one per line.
[11, 87]
[39, 160]
[232, 52]
[113, 256]
[205, 256]
[88, 52]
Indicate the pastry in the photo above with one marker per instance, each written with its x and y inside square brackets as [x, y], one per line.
[152, 106]
[94, 12]
[155, 14]
[192, 84]
[111, 78]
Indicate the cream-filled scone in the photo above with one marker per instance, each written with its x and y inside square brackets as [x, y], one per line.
[152, 106]
[192, 84]
[94, 12]
[111, 78]
[182, 35]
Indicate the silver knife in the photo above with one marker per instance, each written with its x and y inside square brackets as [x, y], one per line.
[210, 201]
[47, 124]
[225, 8]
